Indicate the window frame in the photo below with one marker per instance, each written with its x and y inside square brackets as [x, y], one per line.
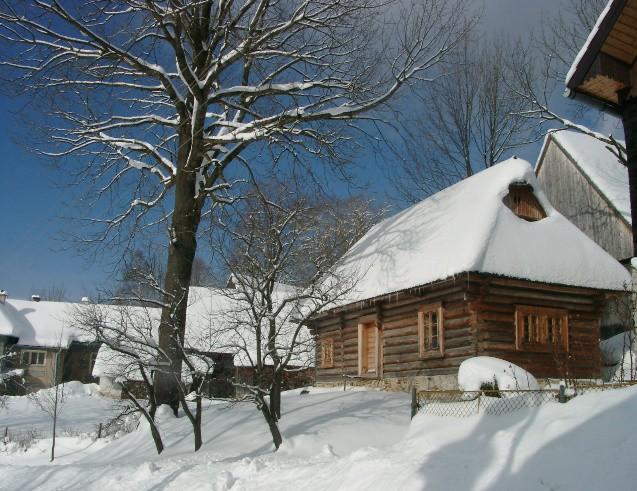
[327, 346]
[423, 335]
[30, 355]
[543, 316]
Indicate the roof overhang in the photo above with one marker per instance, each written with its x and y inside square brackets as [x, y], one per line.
[604, 68]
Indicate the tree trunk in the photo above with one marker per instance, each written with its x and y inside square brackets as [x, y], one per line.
[181, 254]
[629, 119]
[154, 431]
[272, 424]
[275, 394]
[195, 420]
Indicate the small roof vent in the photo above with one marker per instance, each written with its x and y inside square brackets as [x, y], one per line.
[522, 201]
[3, 296]
[35, 297]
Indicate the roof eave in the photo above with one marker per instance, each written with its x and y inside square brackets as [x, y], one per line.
[595, 44]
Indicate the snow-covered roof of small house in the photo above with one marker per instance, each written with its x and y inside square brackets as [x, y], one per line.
[595, 160]
[219, 318]
[216, 322]
[468, 228]
[43, 324]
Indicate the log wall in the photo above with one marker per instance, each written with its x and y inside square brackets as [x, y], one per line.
[479, 319]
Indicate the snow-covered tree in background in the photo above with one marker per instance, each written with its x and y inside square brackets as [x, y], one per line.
[155, 102]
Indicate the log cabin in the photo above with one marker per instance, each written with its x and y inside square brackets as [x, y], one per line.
[484, 267]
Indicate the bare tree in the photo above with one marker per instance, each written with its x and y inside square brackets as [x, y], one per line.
[539, 70]
[157, 99]
[563, 35]
[51, 400]
[465, 121]
[130, 352]
[55, 293]
[281, 249]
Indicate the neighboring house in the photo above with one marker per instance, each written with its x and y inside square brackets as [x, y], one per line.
[215, 324]
[37, 337]
[485, 267]
[587, 184]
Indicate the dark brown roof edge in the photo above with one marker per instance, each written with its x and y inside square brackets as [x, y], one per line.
[596, 44]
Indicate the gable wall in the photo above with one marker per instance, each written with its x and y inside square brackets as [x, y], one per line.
[573, 195]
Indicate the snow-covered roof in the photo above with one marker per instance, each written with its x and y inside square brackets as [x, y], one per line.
[43, 324]
[599, 164]
[216, 322]
[468, 228]
[219, 318]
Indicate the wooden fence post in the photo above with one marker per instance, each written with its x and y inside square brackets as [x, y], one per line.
[99, 431]
[6, 434]
[414, 402]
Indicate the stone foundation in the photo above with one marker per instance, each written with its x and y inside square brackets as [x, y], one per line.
[402, 384]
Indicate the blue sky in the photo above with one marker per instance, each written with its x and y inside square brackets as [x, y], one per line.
[33, 255]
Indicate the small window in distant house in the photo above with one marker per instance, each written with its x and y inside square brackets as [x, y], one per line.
[33, 357]
[523, 203]
[541, 329]
[327, 353]
[431, 331]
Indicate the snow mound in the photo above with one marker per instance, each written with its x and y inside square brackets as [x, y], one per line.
[75, 389]
[619, 357]
[475, 372]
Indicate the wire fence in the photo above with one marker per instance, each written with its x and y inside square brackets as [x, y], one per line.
[458, 403]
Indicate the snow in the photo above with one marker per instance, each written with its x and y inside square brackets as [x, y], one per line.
[44, 324]
[81, 409]
[479, 370]
[468, 228]
[619, 357]
[587, 43]
[356, 441]
[598, 163]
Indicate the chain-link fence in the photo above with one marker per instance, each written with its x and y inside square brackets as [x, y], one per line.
[460, 403]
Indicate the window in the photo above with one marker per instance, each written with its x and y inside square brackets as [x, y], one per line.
[368, 349]
[327, 353]
[541, 329]
[523, 203]
[33, 357]
[431, 331]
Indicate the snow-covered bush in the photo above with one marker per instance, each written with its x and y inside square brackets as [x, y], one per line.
[480, 371]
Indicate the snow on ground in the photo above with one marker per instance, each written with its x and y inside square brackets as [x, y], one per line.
[81, 410]
[363, 440]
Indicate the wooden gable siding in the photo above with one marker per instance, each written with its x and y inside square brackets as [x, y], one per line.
[575, 197]
[496, 334]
